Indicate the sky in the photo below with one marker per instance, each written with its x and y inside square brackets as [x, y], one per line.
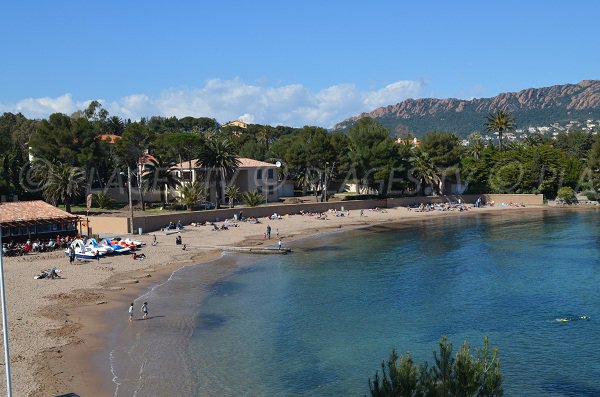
[282, 62]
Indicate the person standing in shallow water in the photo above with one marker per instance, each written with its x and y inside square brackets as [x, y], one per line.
[131, 312]
[145, 310]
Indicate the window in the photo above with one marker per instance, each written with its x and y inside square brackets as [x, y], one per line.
[24, 230]
[271, 189]
[259, 174]
[259, 189]
[5, 231]
[270, 173]
[43, 228]
[15, 231]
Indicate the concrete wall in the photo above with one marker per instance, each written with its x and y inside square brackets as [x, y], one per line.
[150, 223]
[156, 222]
[107, 225]
[527, 199]
[120, 195]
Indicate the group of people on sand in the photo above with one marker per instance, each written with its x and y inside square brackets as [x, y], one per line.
[267, 236]
[440, 207]
[323, 215]
[19, 249]
[173, 226]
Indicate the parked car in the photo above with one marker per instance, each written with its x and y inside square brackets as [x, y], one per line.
[206, 205]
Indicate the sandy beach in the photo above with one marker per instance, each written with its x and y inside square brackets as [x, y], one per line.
[53, 324]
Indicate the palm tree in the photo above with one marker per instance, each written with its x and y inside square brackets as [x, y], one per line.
[219, 155]
[424, 170]
[115, 125]
[263, 137]
[160, 174]
[232, 193]
[61, 182]
[476, 145]
[190, 193]
[253, 199]
[303, 180]
[499, 121]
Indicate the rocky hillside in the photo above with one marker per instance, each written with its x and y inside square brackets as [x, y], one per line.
[530, 107]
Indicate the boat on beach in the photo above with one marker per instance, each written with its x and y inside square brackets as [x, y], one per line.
[117, 249]
[102, 248]
[82, 251]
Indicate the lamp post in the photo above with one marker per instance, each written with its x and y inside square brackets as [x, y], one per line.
[326, 182]
[129, 197]
[4, 322]
[130, 203]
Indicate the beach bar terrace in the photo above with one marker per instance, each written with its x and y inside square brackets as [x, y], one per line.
[30, 220]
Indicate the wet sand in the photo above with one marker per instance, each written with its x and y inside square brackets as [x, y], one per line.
[58, 328]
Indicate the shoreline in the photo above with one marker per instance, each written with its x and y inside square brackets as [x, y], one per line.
[76, 316]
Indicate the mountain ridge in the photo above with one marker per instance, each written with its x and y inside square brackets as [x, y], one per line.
[530, 106]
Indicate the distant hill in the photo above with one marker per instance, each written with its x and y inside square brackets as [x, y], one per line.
[531, 107]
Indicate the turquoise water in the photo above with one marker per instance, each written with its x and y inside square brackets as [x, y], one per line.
[320, 321]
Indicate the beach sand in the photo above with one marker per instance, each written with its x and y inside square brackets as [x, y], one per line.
[54, 324]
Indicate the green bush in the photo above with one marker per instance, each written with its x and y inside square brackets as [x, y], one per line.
[567, 195]
[253, 199]
[592, 196]
[103, 200]
[463, 374]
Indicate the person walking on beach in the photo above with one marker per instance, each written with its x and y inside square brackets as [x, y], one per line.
[71, 254]
[269, 232]
[131, 312]
[145, 310]
[277, 232]
[279, 244]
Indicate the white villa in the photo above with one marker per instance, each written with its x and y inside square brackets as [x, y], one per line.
[251, 175]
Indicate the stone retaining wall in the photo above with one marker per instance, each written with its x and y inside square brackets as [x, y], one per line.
[150, 223]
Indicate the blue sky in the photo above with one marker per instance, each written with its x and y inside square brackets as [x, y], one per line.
[295, 63]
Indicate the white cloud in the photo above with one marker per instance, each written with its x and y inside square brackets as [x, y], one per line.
[226, 100]
[42, 107]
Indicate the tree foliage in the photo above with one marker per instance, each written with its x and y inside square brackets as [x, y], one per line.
[566, 195]
[219, 157]
[314, 158]
[499, 121]
[372, 153]
[60, 182]
[190, 194]
[103, 200]
[160, 175]
[462, 374]
[232, 193]
[253, 199]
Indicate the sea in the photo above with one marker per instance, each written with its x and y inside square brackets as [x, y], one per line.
[320, 321]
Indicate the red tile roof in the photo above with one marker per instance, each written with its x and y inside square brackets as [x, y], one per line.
[110, 138]
[244, 163]
[31, 211]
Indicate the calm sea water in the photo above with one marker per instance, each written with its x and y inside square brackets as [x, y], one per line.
[320, 321]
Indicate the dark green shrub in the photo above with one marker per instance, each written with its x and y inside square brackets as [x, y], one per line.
[463, 374]
[253, 199]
